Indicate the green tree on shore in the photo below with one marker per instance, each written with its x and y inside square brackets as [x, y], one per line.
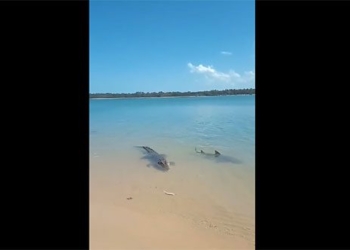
[175, 94]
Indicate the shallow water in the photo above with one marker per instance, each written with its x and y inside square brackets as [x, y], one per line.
[217, 193]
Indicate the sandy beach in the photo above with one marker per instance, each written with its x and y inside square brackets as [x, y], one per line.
[116, 227]
[210, 209]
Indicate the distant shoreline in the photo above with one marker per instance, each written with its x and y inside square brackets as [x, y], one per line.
[163, 97]
[227, 92]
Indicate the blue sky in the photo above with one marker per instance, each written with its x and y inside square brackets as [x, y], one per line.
[171, 45]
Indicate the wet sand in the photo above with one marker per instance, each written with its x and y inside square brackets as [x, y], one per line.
[213, 206]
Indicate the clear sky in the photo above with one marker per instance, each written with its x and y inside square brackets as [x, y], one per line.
[171, 45]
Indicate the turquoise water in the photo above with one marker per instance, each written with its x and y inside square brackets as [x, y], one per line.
[223, 123]
[209, 190]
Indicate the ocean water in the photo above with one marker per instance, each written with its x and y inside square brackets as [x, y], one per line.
[223, 123]
[210, 190]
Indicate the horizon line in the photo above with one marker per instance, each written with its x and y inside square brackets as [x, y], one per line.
[169, 91]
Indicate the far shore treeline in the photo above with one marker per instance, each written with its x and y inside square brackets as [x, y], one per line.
[175, 94]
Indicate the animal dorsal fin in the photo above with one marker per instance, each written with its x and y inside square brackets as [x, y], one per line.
[217, 153]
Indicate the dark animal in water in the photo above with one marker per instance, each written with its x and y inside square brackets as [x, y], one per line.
[218, 157]
[216, 153]
[157, 160]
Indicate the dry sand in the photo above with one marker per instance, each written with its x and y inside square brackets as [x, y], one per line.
[211, 209]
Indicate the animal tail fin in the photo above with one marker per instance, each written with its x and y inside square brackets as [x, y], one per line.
[201, 152]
